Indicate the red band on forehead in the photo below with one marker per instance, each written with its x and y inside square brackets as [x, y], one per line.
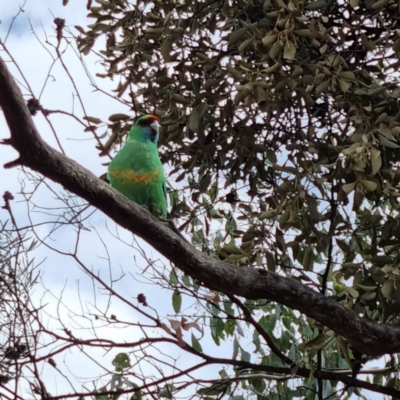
[147, 120]
[152, 118]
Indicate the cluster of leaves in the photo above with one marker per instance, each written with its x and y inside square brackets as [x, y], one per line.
[283, 118]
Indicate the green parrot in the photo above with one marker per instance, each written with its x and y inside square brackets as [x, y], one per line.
[137, 172]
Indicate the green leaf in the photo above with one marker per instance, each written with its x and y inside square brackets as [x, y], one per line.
[194, 121]
[118, 117]
[93, 120]
[258, 385]
[228, 307]
[378, 379]
[217, 330]
[230, 326]
[121, 361]
[235, 349]
[231, 248]
[186, 280]
[116, 382]
[308, 258]
[204, 183]
[285, 341]
[214, 390]
[138, 394]
[196, 344]
[287, 321]
[236, 36]
[173, 279]
[387, 143]
[231, 225]
[245, 356]
[214, 308]
[240, 330]
[102, 396]
[215, 214]
[166, 49]
[176, 301]
[268, 323]
[256, 340]
[167, 391]
[270, 261]
[314, 344]
[376, 160]
[213, 191]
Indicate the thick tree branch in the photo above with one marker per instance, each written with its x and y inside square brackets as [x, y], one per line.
[367, 337]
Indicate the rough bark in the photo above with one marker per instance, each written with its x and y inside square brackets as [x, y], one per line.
[367, 337]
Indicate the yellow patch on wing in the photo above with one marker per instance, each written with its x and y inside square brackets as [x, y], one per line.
[135, 177]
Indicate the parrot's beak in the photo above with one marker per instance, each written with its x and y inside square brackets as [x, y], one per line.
[155, 128]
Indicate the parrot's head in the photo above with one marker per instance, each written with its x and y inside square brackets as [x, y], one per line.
[150, 127]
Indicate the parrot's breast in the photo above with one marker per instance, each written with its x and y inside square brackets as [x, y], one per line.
[128, 175]
[136, 172]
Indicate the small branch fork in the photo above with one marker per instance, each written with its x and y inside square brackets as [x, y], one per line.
[7, 196]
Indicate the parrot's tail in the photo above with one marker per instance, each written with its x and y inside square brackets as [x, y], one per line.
[176, 230]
